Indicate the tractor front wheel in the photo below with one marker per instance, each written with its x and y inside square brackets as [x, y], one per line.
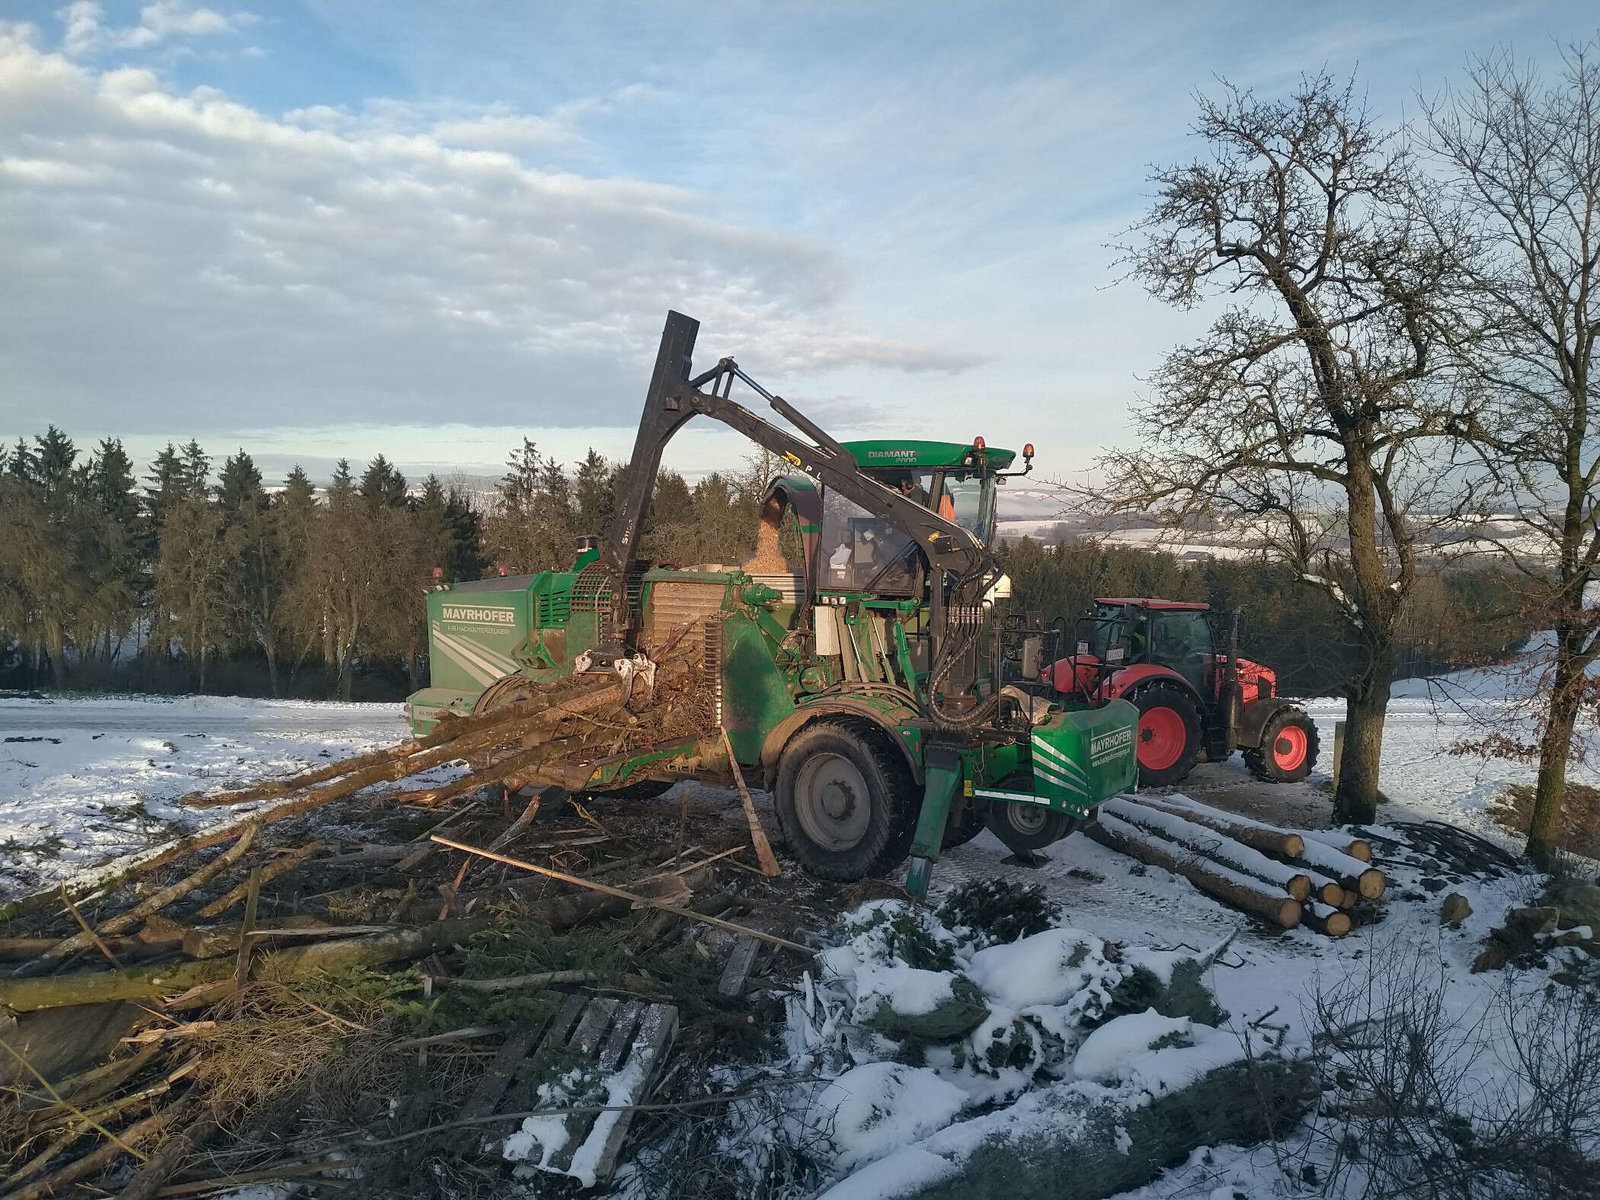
[845, 802]
[1288, 748]
[1169, 735]
[1025, 827]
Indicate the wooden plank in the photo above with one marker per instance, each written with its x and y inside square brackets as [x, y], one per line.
[524, 1085]
[561, 1025]
[625, 1020]
[736, 975]
[596, 1021]
[497, 1076]
[622, 1031]
[657, 1028]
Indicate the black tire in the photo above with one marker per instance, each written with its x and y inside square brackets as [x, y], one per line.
[960, 831]
[1167, 770]
[1292, 761]
[1025, 828]
[846, 803]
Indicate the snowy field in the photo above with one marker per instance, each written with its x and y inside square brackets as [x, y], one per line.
[83, 780]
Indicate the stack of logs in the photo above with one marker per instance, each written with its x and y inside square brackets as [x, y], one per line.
[1284, 876]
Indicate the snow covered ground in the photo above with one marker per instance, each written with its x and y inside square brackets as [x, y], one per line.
[82, 780]
[86, 779]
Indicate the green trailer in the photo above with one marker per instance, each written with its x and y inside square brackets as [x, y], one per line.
[866, 666]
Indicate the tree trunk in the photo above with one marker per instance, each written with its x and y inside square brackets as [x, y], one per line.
[57, 652]
[346, 670]
[1356, 801]
[1549, 793]
[272, 665]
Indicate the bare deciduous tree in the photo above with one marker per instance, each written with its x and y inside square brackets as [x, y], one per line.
[1524, 154]
[1312, 408]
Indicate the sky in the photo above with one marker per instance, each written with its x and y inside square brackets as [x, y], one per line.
[428, 230]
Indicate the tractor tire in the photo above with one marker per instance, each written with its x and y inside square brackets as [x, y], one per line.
[1169, 735]
[1025, 828]
[970, 825]
[1288, 748]
[846, 804]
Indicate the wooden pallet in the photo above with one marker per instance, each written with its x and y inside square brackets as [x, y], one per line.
[626, 1039]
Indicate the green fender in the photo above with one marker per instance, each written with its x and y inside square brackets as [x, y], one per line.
[888, 718]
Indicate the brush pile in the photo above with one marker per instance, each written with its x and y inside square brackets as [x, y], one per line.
[325, 985]
[1322, 878]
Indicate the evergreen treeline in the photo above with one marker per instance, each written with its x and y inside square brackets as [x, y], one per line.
[194, 580]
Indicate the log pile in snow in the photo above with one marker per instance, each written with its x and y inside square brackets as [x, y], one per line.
[1285, 876]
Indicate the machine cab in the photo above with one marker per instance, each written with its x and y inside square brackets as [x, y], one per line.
[861, 553]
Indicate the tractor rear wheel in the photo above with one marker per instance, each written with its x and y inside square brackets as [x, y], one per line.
[1169, 735]
[1288, 748]
[1025, 828]
[846, 804]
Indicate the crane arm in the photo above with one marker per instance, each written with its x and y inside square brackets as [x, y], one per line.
[952, 551]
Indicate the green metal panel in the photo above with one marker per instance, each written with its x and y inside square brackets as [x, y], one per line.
[909, 452]
[1081, 758]
[472, 632]
[754, 695]
[424, 708]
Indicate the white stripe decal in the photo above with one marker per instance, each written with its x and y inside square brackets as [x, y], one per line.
[1059, 780]
[464, 652]
[1059, 760]
[485, 654]
[464, 658]
[1014, 797]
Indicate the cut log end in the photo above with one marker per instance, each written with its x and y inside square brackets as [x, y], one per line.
[1329, 921]
[1371, 884]
[1360, 849]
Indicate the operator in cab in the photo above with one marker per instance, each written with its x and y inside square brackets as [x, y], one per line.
[905, 482]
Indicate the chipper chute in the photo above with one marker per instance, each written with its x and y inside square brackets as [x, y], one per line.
[864, 665]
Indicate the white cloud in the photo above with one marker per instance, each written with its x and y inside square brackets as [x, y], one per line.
[84, 31]
[189, 263]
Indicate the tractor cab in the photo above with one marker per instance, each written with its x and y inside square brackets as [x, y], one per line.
[864, 553]
[1178, 662]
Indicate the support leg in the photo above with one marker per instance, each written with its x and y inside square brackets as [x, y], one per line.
[942, 775]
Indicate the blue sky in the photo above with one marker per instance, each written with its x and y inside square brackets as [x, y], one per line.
[431, 229]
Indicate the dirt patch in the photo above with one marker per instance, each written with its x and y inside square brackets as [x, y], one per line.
[1512, 810]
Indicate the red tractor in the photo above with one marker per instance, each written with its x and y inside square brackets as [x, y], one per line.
[1179, 664]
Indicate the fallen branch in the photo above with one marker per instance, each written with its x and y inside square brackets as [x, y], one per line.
[510, 983]
[282, 865]
[642, 901]
[100, 1158]
[278, 966]
[758, 835]
[152, 904]
[449, 730]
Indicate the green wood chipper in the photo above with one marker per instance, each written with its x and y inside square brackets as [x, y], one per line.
[865, 666]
